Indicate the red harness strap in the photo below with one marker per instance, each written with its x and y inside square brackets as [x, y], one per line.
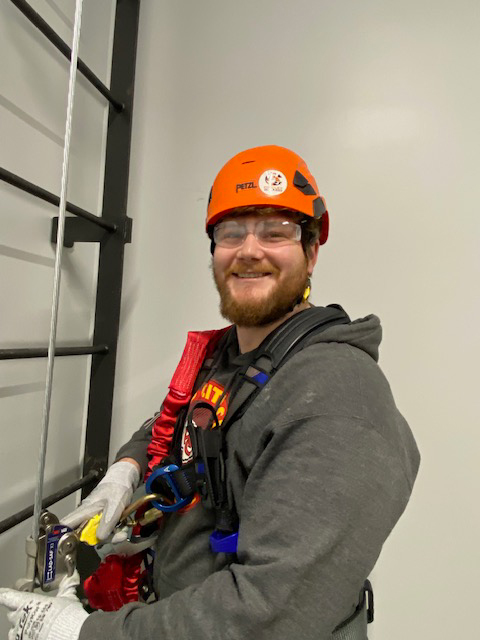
[116, 581]
[200, 345]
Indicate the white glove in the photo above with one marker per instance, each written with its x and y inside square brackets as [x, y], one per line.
[39, 617]
[110, 497]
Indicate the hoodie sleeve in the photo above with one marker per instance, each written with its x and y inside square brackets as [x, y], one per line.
[136, 447]
[317, 506]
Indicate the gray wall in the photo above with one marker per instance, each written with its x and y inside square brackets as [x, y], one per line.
[382, 100]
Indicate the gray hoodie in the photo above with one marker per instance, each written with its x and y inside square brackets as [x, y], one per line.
[320, 467]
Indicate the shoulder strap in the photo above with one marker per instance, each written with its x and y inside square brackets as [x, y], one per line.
[278, 347]
[291, 335]
[274, 351]
[198, 349]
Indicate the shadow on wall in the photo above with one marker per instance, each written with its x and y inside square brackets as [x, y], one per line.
[26, 256]
[20, 389]
[32, 122]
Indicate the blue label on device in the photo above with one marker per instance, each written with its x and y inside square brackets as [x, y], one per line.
[51, 552]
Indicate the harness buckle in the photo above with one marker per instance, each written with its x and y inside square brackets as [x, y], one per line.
[221, 542]
[368, 594]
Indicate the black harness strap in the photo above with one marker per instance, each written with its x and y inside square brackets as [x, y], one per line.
[290, 336]
[278, 347]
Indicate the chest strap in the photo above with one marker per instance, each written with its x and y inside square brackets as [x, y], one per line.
[278, 347]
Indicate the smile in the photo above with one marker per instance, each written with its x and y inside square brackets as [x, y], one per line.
[250, 275]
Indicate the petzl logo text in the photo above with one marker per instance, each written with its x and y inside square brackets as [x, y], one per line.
[245, 185]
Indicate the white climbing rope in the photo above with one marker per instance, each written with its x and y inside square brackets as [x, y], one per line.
[57, 273]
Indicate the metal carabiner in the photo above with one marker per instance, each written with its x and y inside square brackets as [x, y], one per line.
[166, 473]
[135, 506]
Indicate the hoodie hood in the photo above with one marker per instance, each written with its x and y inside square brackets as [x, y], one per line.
[363, 333]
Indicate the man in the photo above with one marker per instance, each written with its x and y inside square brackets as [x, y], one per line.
[319, 465]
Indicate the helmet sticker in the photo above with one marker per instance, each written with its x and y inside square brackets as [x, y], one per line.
[272, 182]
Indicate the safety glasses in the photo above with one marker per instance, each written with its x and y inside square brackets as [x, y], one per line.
[269, 232]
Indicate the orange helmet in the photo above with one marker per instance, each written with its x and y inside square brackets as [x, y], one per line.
[266, 176]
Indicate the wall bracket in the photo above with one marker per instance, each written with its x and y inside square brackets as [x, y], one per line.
[81, 230]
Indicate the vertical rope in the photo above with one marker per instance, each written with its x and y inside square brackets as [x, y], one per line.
[58, 264]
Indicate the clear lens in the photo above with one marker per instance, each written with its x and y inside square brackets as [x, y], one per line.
[269, 232]
[229, 234]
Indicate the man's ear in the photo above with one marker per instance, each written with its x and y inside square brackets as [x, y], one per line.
[312, 256]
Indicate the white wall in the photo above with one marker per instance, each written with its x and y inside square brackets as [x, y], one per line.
[382, 100]
[33, 100]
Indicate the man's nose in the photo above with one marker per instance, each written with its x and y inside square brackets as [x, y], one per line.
[250, 249]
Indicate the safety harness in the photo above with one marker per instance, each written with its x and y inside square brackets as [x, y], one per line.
[177, 485]
[206, 474]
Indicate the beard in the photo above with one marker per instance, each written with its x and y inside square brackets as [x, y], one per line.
[266, 309]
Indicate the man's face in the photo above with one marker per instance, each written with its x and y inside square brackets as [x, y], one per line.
[257, 284]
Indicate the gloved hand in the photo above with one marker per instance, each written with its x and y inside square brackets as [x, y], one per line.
[39, 617]
[110, 497]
